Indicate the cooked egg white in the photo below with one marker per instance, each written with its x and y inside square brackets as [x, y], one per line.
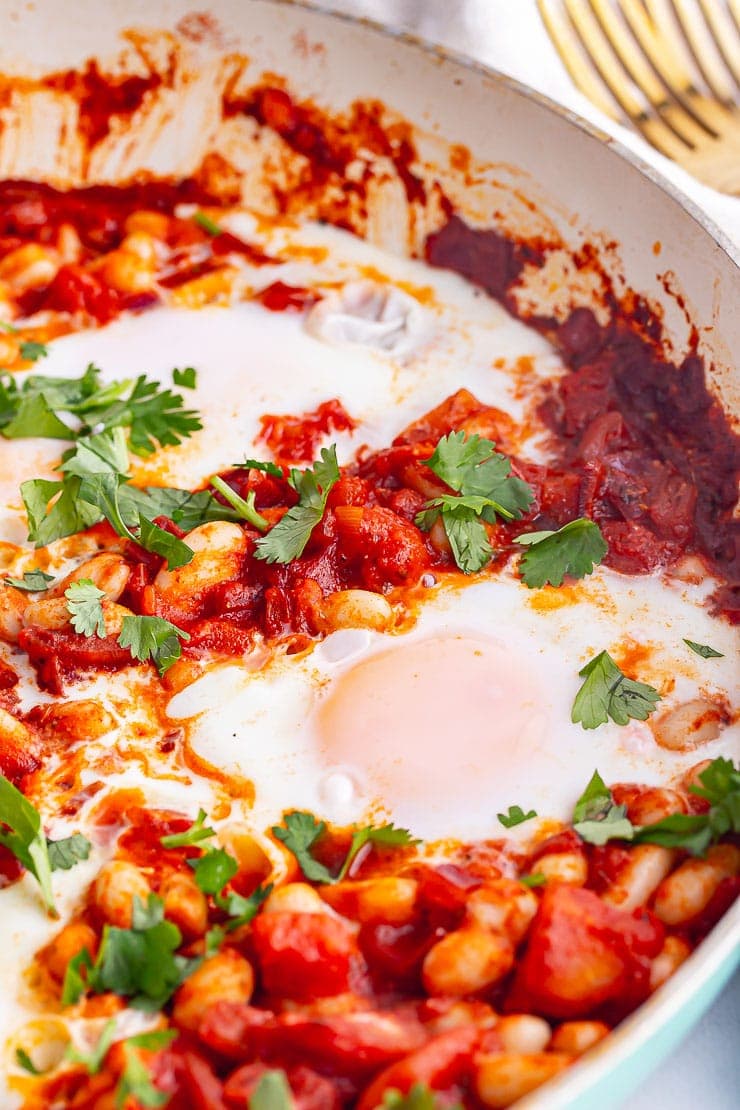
[442, 727]
[437, 728]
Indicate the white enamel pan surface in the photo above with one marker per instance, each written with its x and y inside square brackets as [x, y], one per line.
[581, 185]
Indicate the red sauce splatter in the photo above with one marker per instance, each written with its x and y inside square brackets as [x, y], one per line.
[102, 97]
[296, 438]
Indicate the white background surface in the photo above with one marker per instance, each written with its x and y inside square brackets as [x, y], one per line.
[704, 1074]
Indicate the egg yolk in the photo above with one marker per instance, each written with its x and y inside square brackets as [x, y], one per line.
[436, 725]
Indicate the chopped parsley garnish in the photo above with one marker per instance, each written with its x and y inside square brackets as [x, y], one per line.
[287, 539]
[704, 650]
[136, 1082]
[533, 880]
[272, 1092]
[266, 467]
[302, 831]
[198, 831]
[33, 581]
[139, 963]
[515, 816]
[213, 870]
[84, 602]
[23, 1060]
[32, 351]
[695, 833]
[152, 638]
[596, 818]
[153, 416]
[484, 489]
[209, 226]
[608, 693]
[145, 637]
[21, 833]
[187, 377]
[70, 850]
[94, 487]
[418, 1098]
[574, 550]
[243, 508]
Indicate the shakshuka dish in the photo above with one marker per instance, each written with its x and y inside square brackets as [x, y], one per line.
[367, 657]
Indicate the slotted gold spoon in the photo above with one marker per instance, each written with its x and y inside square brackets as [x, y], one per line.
[671, 68]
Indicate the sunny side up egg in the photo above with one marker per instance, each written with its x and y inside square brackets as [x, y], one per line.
[444, 721]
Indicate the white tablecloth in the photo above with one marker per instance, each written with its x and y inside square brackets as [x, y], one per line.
[508, 35]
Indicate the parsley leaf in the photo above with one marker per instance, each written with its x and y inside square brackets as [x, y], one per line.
[23, 1060]
[33, 581]
[704, 650]
[213, 870]
[139, 963]
[594, 801]
[720, 786]
[70, 850]
[187, 377]
[244, 509]
[574, 550]
[607, 692]
[198, 831]
[287, 539]
[21, 834]
[486, 489]
[466, 532]
[75, 982]
[34, 417]
[596, 818]
[154, 416]
[302, 831]
[135, 1082]
[241, 910]
[387, 836]
[93, 1060]
[152, 638]
[418, 1098]
[33, 351]
[266, 467]
[272, 1093]
[535, 879]
[209, 226]
[161, 542]
[85, 608]
[515, 816]
[66, 516]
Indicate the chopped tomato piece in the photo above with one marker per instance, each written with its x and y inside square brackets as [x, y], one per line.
[304, 956]
[582, 953]
[440, 1064]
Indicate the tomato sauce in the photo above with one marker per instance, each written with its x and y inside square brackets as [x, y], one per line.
[642, 446]
[294, 439]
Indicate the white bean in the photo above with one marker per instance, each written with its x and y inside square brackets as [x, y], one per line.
[524, 1033]
[687, 892]
[689, 726]
[465, 961]
[503, 1078]
[647, 866]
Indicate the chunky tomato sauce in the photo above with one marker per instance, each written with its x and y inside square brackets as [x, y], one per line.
[347, 996]
[353, 996]
[642, 446]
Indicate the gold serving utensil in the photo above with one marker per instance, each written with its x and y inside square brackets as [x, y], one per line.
[671, 68]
